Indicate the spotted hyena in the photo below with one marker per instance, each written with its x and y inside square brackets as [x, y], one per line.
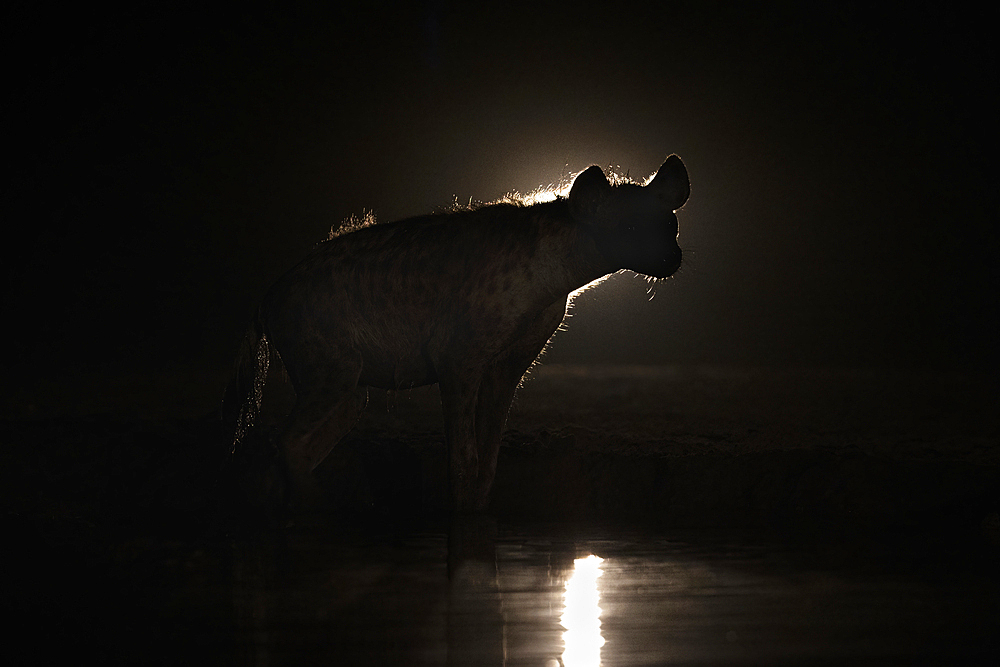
[466, 299]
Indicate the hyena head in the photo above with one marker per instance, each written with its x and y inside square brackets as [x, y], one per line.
[635, 226]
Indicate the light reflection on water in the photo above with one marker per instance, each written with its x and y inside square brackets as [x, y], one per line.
[523, 598]
[582, 615]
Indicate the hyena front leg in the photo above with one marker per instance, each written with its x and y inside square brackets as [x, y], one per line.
[495, 396]
[496, 393]
[459, 388]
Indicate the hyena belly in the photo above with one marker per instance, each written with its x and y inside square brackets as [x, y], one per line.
[465, 299]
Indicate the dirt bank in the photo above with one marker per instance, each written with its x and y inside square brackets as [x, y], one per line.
[673, 447]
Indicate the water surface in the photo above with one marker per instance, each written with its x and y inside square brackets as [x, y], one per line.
[483, 594]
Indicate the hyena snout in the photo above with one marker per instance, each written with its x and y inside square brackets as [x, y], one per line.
[655, 252]
[664, 267]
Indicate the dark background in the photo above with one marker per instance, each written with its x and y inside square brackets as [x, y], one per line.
[167, 164]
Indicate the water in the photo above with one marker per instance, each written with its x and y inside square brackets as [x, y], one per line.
[106, 526]
[543, 595]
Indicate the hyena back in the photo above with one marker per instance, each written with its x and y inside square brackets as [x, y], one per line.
[466, 299]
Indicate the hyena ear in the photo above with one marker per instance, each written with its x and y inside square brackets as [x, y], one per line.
[588, 193]
[671, 183]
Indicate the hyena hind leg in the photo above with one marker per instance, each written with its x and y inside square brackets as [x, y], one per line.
[319, 420]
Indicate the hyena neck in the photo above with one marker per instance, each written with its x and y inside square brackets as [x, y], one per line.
[572, 251]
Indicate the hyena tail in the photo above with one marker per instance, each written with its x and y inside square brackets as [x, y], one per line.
[241, 404]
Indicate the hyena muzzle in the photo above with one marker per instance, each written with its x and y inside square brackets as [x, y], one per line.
[466, 299]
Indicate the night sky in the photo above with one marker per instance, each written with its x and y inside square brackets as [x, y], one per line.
[168, 165]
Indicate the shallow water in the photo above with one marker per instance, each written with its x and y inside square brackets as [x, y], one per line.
[482, 594]
[106, 524]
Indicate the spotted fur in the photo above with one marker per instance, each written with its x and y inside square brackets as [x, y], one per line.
[466, 299]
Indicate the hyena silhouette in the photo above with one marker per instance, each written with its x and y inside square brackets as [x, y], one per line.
[466, 299]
